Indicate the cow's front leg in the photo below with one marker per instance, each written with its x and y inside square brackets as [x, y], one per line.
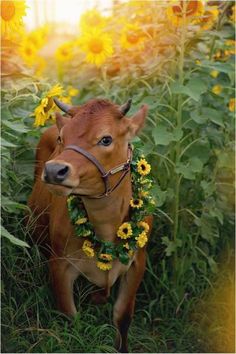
[124, 306]
[63, 275]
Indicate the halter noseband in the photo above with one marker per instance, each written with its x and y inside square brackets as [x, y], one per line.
[125, 167]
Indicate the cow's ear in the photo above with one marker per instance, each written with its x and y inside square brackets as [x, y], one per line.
[60, 120]
[136, 123]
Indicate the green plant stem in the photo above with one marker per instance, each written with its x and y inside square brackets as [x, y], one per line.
[179, 126]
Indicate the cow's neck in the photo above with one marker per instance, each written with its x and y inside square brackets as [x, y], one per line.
[108, 213]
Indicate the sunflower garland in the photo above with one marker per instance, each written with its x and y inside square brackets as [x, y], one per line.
[131, 235]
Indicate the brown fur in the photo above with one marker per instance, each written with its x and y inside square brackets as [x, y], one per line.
[53, 229]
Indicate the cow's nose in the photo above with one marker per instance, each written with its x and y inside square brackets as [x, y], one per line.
[55, 172]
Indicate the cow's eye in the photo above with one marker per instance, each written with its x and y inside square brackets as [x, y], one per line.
[105, 141]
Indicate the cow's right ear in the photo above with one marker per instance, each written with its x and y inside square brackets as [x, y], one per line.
[60, 121]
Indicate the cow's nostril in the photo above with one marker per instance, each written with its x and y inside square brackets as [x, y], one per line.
[63, 171]
[55, 172]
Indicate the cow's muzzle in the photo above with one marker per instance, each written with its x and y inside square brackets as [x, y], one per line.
[55, 172]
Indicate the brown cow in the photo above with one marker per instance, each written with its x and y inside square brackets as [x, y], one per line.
[100, 129]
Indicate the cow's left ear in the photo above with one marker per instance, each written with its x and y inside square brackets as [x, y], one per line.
[60, 121]
[136, 123]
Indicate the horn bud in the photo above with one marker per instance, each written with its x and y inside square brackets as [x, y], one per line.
[126, 107]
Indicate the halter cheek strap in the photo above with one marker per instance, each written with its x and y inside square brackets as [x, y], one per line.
[125, 167]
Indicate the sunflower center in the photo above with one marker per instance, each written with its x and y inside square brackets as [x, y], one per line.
[28, 51]
[49, 105]
[191, 9]
[132, 37]
[64, 52]
[143, 167]
[7, 10]
[96, 45]
[136, 202]
[125, 230]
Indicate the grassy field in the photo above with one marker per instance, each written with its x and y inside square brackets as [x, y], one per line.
[163, 321]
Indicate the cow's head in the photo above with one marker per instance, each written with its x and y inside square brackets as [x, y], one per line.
[100, 128]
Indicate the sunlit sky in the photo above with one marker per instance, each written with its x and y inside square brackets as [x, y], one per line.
[66, 11]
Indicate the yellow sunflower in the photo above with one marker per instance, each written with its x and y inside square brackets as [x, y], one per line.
[141, 239]
[87, 233]
[81, 221]
[209, 18]
[143, 167]
[175, 13]
[231, 44]
[232, 104]
[126, 245]
[143, 194]
[131, 253]
[132, 36]
[88, 249]
[28, 52]
[66, 99]
[44, 110]
[36, 38]
[91, 19]
[125, 231]
[232, 17]
[11, 15]
[97, 46]
[104, 266]
[217, 89]
[144, 225]
[136, 203]
[65, 52]
[105, 257]
[72, 91]
[214, 73]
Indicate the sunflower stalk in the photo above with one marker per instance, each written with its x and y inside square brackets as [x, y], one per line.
[179, 126]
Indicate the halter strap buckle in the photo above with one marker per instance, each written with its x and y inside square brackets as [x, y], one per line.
[125, 167]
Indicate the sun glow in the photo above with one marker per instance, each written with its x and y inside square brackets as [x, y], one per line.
[60, 11]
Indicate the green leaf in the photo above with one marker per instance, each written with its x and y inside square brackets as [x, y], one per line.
[212, 264]
[208, 188]
[208, 228]
[151, 101]
[200, 149]
[177, 134]
[161, 135]
[10, 205]
[193, 89]
[196, 88]
[18, 127]
[213, 115]
[189, 170]
[124, 258]
[222, 67]
[13, 239]
[158, 195]
[5, 114]
[6, 143]
[198, 118]
[196, 165]
[171, 245]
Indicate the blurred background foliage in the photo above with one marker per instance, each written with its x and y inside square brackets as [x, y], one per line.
[177, 57]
